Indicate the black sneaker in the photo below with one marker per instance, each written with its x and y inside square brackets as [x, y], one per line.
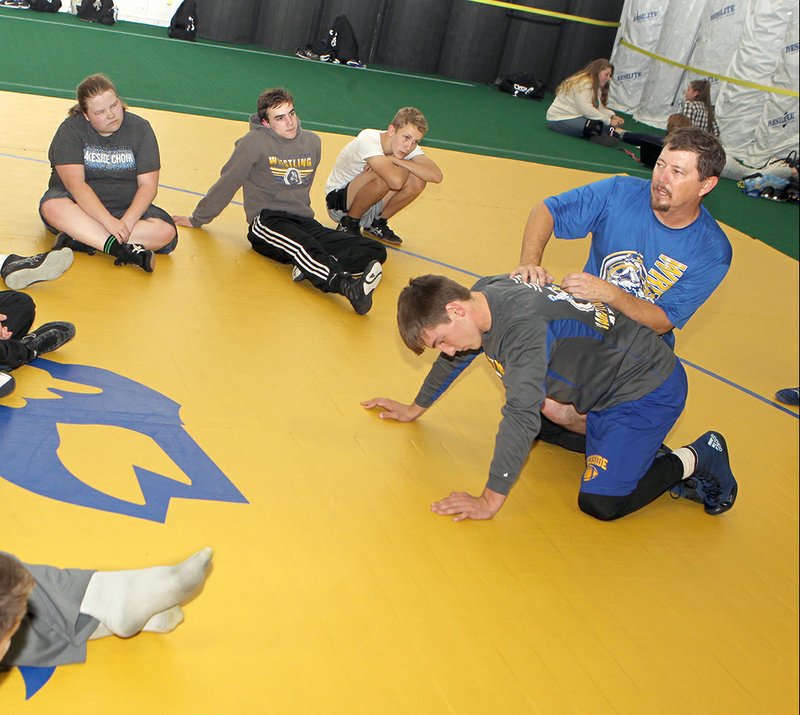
[7, 384]
[21, 271]
[306, 53]
[137, 255]
[348, 224]
[64, 241]
[713, 482]
[379, 229]
[49, 337]
[359, 290]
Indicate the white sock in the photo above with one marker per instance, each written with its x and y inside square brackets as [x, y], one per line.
[688, 460]
[125, 601]
[165, 621]
[100, 632]
[3, 258]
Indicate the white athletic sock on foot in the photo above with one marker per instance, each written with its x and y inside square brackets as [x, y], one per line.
[100, 632]
[688, 460]
[165, 621]
[125, 601]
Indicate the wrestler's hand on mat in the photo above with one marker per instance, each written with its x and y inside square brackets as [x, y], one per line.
[465, 506]
[5, 333]
[588, 287]
[394, 410]
[532, 274]
[182, 221]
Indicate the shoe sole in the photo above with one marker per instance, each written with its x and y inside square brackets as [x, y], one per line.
[373, 278]
[726, 504]
[53, 266]
[397, 241]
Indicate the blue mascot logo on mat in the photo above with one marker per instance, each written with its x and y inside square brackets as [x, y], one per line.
[29, 443]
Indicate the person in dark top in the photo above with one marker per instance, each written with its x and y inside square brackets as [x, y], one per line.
[543, 342]
[274, 164]
[105, 168]
[18, 344]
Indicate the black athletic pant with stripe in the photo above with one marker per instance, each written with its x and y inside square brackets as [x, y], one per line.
[19, 310]
[322, 254]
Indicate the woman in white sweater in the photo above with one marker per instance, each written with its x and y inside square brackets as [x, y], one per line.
[580, 102]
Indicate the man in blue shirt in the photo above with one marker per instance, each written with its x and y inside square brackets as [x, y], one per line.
[656, 254]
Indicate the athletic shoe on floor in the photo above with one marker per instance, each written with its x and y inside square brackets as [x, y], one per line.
[297, 275]
[789, 396]
[380, 229]
[137, 255]
[64, 241]
[359, 291]
[348, 224]
[7, 384]
[306, 53]
[49, 337]
[21, 271]
[713, 482]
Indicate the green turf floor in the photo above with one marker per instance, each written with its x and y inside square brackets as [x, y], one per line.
[208, 78]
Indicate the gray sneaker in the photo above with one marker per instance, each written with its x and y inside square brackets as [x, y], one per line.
[21, 271]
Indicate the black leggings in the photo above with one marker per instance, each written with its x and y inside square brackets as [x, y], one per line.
[19, 310]
[665, 472]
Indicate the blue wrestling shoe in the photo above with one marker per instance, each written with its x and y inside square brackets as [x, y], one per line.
[713, 482]
[789, 396]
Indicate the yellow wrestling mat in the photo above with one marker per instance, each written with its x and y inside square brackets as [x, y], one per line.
[334, 588]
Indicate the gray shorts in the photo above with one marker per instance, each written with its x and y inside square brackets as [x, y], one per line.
[152, 211]
[336, 201]
[53, 631]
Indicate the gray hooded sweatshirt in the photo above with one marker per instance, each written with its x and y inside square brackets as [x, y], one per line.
[275, 174]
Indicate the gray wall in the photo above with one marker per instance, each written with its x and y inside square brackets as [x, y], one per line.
[454, 38]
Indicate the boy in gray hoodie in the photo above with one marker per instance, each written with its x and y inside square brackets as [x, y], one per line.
[275, 164]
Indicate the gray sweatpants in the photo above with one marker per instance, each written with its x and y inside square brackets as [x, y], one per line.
[53, 631]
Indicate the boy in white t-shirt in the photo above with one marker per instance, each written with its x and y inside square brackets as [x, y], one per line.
[379, 173]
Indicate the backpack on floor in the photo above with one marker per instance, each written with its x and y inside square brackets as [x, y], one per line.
[45, 5]
[339, 46]
[183, 25]
[101, 11]
[521, 85]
